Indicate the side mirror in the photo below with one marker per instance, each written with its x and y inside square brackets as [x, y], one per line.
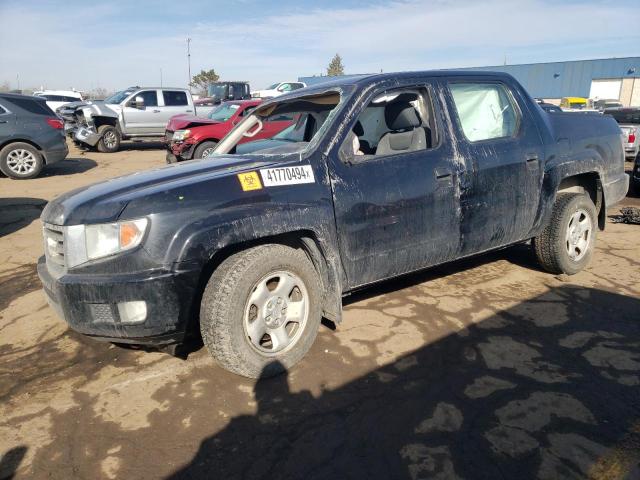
[138, 103]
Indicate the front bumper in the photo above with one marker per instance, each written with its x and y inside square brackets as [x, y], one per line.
[182, 150]
[89, 303]
[86, 135]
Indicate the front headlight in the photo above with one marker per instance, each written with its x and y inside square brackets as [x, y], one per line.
[90, 242]
[180, 135]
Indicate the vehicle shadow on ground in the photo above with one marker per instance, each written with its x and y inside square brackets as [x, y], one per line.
[10, 461]
[69, 166]
[534, 391]
[17, 213]
[142, 145]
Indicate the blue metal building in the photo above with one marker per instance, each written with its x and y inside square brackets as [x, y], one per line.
[615, 78]
[555, 80]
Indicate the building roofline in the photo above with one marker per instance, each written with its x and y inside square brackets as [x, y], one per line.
[553, 63]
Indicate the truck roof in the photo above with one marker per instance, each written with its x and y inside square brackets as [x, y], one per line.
[368, 79]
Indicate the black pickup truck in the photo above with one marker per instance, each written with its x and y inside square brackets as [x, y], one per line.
[379, 176]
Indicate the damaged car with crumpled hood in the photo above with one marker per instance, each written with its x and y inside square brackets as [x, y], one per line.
[137, 113]
[380, 176]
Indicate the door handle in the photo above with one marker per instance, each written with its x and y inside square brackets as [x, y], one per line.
[188, 111]
[532, 161]
[4, 121]
[156, 111]
[443, 174]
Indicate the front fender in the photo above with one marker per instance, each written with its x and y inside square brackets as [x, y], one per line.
[200, 241]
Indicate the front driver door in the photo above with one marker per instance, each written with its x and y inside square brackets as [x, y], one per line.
[146, 120]
[395, 213]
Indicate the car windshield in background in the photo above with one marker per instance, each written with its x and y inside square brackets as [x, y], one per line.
[224, 112]
[118, 97]
[309, 114]
[272, 87]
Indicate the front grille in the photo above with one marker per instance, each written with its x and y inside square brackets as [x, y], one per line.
[168, 135]
[54, 245]
[101, 313]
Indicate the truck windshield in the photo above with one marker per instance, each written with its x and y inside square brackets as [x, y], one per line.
[118, 97]
[309, 114]
[219, 91]
[224, 112]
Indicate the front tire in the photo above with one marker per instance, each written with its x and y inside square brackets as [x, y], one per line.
[109, 139]
[204, 150]
[567, 243]
[260, 310]
[21, 161]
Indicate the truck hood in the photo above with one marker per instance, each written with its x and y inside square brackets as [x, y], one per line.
[100, 109]
[151, 191]
[182, 121]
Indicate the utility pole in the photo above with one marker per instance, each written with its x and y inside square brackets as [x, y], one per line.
[189, 61]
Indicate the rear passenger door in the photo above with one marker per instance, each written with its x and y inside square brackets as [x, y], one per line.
[7, 124]
[175, 102]
[503, 152]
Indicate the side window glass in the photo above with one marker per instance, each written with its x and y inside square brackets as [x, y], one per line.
[2, 110]
[394, 122]
[247, 111]
[150, 97]
[485, 110]
[175, 98]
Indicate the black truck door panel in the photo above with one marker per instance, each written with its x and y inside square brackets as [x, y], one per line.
[397, 213]
[503, 176]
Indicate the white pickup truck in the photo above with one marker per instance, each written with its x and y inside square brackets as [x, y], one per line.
[135, 113]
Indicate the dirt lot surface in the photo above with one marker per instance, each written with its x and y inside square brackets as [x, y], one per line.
[487, 368]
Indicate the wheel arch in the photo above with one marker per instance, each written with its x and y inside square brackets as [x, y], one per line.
[99, 121]
[591, 184]
[24, 140]
[324, 261]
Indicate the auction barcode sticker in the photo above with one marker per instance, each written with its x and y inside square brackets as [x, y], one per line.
[272, 177]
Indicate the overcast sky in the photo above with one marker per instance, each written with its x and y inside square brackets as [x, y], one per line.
[86, 44]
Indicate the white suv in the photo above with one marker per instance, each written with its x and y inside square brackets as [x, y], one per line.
[277, 89]
[58, 98]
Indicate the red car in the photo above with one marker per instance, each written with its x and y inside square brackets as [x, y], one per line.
[190, 137]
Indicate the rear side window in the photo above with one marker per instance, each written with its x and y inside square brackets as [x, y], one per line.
[39, 107]
[175, 98]
[485, 110]
[2, 110]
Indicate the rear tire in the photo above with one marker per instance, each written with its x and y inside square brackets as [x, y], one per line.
[109, 139]
[567, 243]
[204, 149]
[21, 161]
[260, 310]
